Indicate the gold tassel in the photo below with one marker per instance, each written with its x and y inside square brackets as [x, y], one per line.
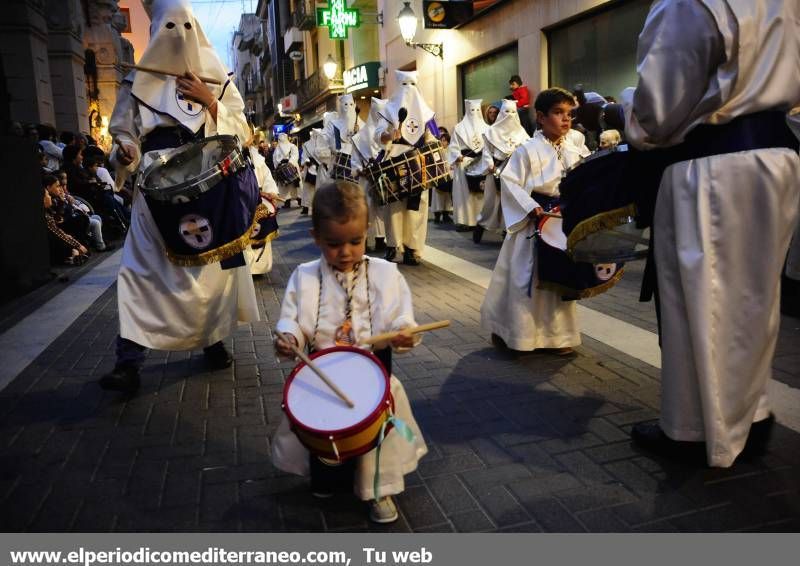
[604, 221]
[586, 293]
[224, 251]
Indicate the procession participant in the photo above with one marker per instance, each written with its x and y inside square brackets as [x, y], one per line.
[442, 194]
[465, 155]
[724, 213]
[339, 131]
[514, 310]
[162, 305]
[317, 164]
[260, 258]
[407, 120]
[287, 153]
[499, 141]
[343, 298]
[365, 150]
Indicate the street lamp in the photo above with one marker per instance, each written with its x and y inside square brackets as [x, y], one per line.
[330, 67]
[407, 20]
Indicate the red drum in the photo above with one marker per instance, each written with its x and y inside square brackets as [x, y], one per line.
[322, 421]
[287, 174]
[396, 178]
[558, 272]
[342, 166]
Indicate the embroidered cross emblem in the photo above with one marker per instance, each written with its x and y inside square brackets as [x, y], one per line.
[187, 106]
[196, 231]
[411, 126]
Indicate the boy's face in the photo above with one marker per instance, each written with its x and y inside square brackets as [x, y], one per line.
[54, 190]
[342, 244]
[557, 121]
[513, 85]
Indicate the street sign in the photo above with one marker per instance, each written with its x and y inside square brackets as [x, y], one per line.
[445, 15]
[362, 76]
[338, 19]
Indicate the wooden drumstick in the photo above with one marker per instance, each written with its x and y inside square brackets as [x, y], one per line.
[413, 330]
[306, 360]
[208, 80]
[550, 214]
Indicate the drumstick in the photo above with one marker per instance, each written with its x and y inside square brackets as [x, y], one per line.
[306, 360]
[550, 214]
[413, 330]
[208, 80]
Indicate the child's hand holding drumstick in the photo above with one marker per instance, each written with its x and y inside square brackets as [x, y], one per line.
[283, 346]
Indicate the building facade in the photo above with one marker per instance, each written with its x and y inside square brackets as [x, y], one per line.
[61, 62]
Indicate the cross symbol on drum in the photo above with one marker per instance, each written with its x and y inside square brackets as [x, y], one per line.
[411, 126]
[196, 231]
[187, 106]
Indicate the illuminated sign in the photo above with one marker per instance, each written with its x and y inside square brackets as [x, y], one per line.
[362, 76]
[338, 19]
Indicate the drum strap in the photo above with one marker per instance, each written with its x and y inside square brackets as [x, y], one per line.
[348, 306]
[404, 431]
[546, 202]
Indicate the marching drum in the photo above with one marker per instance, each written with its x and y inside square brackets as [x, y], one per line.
[324, 423]
[287, 174]
[436, 167]
[203, 196]
[558, 272]
[265, 223]
[396, 178]
[598, 199]
[342, 166]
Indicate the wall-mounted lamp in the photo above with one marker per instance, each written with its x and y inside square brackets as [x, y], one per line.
[408, 28]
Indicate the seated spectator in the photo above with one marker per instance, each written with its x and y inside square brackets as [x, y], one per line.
[77, 208]
[66, 138]
[123, 196]
[103, 193]
[64, 249]
[47, 135]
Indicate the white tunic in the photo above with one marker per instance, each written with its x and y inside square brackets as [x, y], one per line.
[391, 309]
[541, 320]
[287, 151]
[722, 223]
[467, 135]
[161, 305]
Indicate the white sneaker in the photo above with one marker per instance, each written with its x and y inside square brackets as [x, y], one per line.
[383, 510]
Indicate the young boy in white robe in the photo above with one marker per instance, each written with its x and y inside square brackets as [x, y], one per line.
[287, 152]
[514, 310]
[343, 298]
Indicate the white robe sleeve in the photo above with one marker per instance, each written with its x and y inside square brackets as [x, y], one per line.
[289, 321]
[230, 116]
[125, 127]
[678, 50]
[516, 185]
[454, 149]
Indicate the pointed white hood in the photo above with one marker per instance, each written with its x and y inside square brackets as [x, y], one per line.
[507, 132]
[177, 44]
[468, 133]
[364, 141]
[417, 112]
[346, 117]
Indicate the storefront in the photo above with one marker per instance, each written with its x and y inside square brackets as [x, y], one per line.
[363, 82]
[487, 77]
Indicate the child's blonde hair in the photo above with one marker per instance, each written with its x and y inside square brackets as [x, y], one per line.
[339, 201]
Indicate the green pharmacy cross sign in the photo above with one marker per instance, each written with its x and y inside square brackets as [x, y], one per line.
[338, 19]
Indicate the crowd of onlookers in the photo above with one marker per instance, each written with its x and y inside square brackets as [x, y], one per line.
[83, 208]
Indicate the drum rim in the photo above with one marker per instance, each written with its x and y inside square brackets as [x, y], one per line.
[167, 193]
[347, 431]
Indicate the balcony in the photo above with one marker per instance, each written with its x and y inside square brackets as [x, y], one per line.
[312, 87]
[292, 40]
[304, 16]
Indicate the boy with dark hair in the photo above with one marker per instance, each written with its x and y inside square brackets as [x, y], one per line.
[522, 95]
[517, 313]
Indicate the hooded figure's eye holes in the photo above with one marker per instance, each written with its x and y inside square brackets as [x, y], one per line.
[170, 25]
[187, 25]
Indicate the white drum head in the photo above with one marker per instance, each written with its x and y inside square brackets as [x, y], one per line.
[552, 233]
[313, 404]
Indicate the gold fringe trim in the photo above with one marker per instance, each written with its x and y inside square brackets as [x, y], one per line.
[586, 293]
[223, 252]
[258, 244]
[604, 221]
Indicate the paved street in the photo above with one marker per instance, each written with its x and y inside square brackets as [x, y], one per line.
[530, 443]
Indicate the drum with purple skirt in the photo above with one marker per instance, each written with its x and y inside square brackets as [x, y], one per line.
[287, 174]
[436, 167]
[203, 196]
[396, 178]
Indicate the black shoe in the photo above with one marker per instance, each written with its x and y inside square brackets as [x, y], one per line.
[477, 234]
[446, 218]
[437, 217]
[758, 439]
[391, 253]
[380, 244]
[288, 203]
[650, 437]
[464, 228]
[409, 258]
[328, 478]
[304, 211]
[499, 343]
[123, 378]
[217, 356]
[299, 202]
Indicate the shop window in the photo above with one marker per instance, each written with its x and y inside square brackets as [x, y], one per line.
[487, 77]
[598, 50]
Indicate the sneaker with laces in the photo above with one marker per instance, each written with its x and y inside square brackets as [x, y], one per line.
[383, 510]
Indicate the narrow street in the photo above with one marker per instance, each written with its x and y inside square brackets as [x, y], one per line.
[517, 443]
